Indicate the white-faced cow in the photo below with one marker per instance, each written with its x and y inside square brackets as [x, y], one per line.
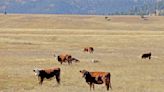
[48, 73]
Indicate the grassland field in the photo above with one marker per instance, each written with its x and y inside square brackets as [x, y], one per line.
[30, 41]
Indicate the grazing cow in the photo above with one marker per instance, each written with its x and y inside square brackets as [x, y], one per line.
[88, 49]
[47, 73]
[94, 61]
[97, 78]
[63, 58]
[146, 55]
[106, 17]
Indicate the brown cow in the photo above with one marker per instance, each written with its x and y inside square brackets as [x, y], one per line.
[63, 58]
[47, 73]
[88, 49]
[97, 78]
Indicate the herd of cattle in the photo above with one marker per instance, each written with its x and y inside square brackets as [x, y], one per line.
[91, 78]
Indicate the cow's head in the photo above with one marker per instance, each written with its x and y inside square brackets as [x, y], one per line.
[150, 53]
[36, 71]
[75, 60]
[84, 73]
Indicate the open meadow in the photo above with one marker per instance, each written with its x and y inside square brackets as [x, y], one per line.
[30, 41]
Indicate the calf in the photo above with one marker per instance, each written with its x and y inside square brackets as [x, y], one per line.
[94, 61]
[146, 55]
[75, 60]
[47, 73]
[88, 49]
[97, 78]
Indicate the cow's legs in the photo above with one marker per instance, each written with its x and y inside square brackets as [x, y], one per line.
[108, 82]
[110, 85]
[41, 80]
[90, 84]
[69, 62]
[107, 86]
[93, 86]
[58, 79]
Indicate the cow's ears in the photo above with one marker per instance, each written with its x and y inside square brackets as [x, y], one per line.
[85, 74]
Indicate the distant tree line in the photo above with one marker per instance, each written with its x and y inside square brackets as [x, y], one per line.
[145, 9]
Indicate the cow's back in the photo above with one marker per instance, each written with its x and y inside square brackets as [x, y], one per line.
[62, 56]
[96, 74]
[52, 69]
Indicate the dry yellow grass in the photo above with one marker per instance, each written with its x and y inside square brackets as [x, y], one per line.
[29, 41]
[132, 23]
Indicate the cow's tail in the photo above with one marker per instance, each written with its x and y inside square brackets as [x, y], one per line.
[108, 81]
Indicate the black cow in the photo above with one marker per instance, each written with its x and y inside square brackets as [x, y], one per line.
[146, 55]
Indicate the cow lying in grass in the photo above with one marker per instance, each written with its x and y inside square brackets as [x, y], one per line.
[146, 55]
[66, 58]
[88, 49]
[97, 78]
[47, 73]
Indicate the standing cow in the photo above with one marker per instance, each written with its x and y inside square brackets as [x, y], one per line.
[88, 49]
[47, 73]
[97, 78]
[146, 55]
